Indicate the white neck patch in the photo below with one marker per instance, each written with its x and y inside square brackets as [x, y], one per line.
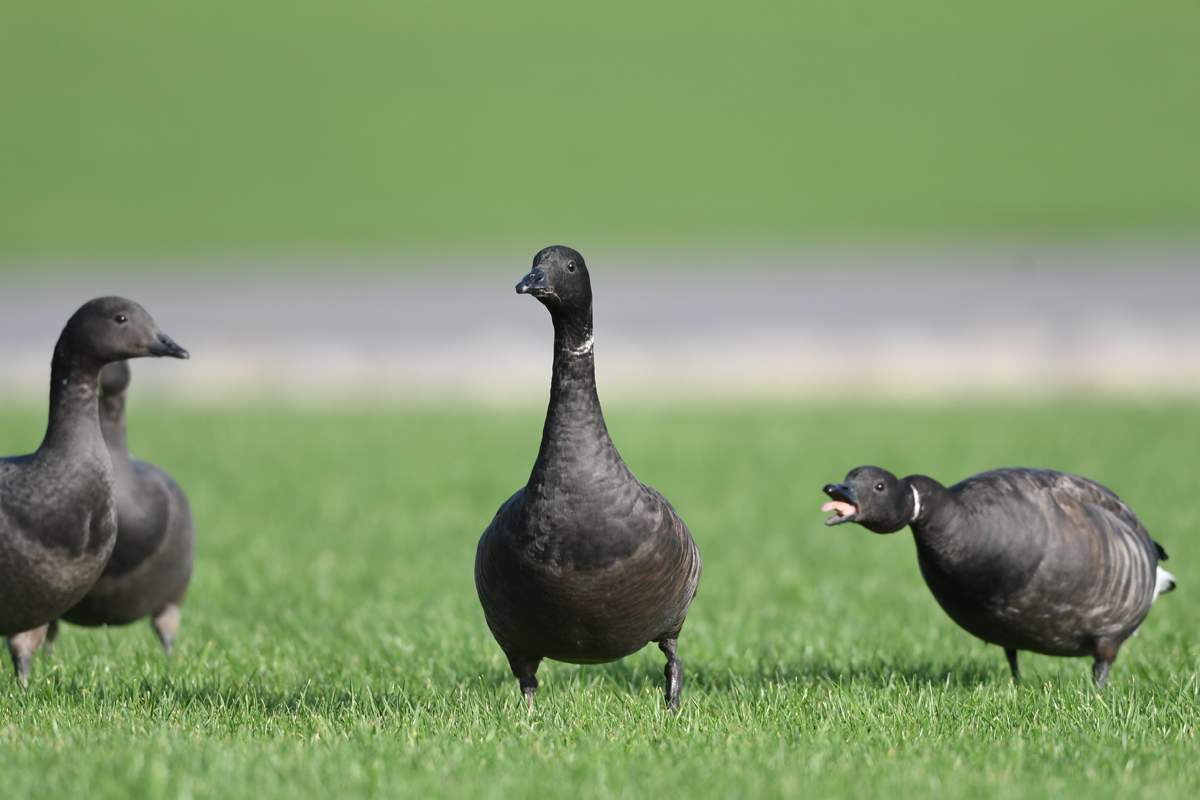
[916, 505]
[586, 347]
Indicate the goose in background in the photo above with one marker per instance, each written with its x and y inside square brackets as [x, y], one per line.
[58, 515]
[151, 563]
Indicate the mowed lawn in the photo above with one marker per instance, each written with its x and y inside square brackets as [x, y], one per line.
[332, 644]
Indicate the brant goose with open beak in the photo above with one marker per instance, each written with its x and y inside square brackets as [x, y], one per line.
[585, 564]
[1028, 559]
[58, 516]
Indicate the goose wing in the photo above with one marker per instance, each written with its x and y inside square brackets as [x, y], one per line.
[1102, 531]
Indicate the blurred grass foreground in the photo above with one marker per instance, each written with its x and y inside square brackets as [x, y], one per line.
[133, 126]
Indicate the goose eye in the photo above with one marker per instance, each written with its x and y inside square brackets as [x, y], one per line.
[121, 319]
[879, 487]
[570, 266]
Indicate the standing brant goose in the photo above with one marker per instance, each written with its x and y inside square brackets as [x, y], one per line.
[58, 517]
[585, 564]
[1028, 559]
[151, 563]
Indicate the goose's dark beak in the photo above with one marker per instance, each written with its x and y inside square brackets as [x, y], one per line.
[164, 345]
[842, 497]
[534, 283]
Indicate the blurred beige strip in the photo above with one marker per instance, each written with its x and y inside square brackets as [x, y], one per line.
[1009, 322]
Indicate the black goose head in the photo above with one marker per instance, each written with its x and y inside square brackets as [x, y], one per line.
[872, 497]
[114, 378]
[111, 329]
[559, 280]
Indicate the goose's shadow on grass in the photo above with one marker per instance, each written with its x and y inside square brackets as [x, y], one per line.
[633, 673]
[334, 702]
[631, 676]
[877, 675]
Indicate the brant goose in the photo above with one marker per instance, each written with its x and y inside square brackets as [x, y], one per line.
[58, 519]
[1028, 559]
[585, 564]
[151, 563]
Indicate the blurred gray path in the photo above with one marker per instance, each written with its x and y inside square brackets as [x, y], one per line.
[1121, 321]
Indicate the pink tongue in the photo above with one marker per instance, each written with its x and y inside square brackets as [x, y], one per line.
[843, 509]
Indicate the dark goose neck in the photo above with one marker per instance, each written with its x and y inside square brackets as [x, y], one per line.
[112, 427]
[574, 432]
[112, 421]
[947, 541]
[937, 509]
[74, 400]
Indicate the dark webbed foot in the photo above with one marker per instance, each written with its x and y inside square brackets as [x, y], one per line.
[1012, 664]
[525, 668]
[673, 673]
[1106, 654]
[166, 625]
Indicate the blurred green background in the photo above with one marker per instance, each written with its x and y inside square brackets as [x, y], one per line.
[269, 126]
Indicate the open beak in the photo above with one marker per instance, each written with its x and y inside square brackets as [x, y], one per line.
[164, 345]
[534, 283]
[842, 502]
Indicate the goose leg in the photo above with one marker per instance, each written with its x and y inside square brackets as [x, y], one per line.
[1012, 664]
[674, 674]
[525, 668]
[1106, 654]
[166, 625]
[51, 635]
[21, 647]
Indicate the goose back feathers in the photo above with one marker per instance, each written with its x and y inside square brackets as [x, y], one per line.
[1028, 559]
[58, 519]
[585, 564]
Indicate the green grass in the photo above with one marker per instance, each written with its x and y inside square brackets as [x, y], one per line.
[141, 127]
[332, 642]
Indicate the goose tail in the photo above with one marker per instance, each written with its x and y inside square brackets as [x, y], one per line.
[1164, 582]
